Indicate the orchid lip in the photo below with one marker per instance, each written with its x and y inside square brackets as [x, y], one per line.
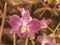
[23, 29]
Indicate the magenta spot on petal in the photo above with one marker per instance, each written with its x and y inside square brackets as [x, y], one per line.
[34, 25]
[47, 44]
[20, 34]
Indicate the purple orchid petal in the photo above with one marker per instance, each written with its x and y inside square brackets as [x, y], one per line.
[47, 38]
[20, 34]
[48, 21]
[39, 39]
[23, 12]
[58, 43]
[45, 22]
[15, 29]
[50, 38]
[34, 25]
[58, 6]
[16, 23]
[15, 20]
[44, 39]
[26, 17]
[45, 0]
[47, 43]
[54, 42]
[31, 35]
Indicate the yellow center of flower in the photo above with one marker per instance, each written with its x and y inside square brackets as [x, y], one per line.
[23, 29]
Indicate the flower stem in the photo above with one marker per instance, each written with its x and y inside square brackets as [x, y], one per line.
[26, 43]
[42, 13]
[56, 27]
[55, 30]
[14, 41]
[3, 20]
[32, 42]
[49, 28]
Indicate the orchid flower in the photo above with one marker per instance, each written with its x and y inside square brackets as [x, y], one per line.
[54, 42]
[46, 40]
[57, 1]
[44, 23]
[24, 26]
[59, 6]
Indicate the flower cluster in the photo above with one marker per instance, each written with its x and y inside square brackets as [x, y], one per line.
[28, 26]
[24, 26]
[47, 40]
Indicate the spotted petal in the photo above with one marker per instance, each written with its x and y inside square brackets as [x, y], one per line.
[31, 35]
[58, 43]
[54, 42]
[47, 43]
[34, 25]
[23, 12]
[15, 29]
[20, 34]
[45, 22]
[44, 39]
[58, 6]
[26, 17]
[15, 21]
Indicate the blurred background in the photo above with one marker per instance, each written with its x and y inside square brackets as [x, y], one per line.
[38, 9]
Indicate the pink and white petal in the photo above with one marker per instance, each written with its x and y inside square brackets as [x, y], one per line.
[45, 0]
[20, 34]
[48, 21]
[44, 22]
[39, 39]
[23, 12]
[15, 29]
[54, 42]
[50, 39]
[14, 20]
[34, 25]
[57, 1]
[58, 43]
[26, 17]
[31, 35]
[48, 43]
[43, 25]
[46, 39]
[58, 6]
